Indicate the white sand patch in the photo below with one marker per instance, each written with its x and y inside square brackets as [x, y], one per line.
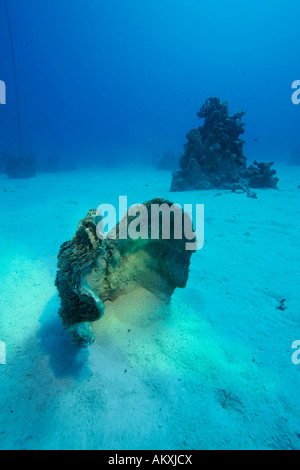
[211, 370]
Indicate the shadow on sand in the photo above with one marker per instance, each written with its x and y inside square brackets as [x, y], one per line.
[65, 358]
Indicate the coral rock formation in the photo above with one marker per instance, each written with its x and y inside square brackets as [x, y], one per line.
[93, 270]
[214, 157]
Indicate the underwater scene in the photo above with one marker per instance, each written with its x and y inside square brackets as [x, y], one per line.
[150, 221]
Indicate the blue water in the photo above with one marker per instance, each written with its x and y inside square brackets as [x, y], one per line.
[98, 76]
[110, 86]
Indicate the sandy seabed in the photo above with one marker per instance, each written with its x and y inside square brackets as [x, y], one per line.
[212, 370]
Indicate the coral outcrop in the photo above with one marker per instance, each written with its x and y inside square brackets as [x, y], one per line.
[93, 270]
[214, 156]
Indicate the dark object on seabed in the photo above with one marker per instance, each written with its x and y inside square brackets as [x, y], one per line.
[21, 167]
[68, 166]
[93, 271]
[214, 157]
[169, 162]
[282, 305]
[251, 194]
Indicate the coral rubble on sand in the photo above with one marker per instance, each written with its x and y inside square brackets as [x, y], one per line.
[49, 165]
[93, 270]
[214, 157]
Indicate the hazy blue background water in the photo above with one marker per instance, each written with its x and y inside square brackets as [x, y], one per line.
[102, 79]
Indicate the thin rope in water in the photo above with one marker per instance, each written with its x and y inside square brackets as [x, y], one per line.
[15, 77]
